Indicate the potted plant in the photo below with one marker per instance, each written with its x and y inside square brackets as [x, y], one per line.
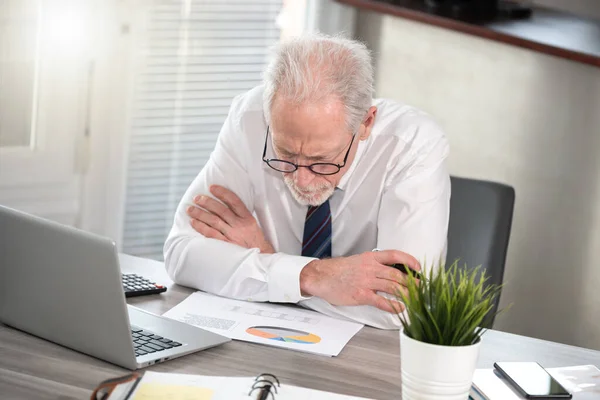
[446, 314]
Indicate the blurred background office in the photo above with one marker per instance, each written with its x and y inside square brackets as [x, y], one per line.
[109, 108]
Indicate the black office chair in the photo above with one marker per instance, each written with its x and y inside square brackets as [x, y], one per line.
[479, 229]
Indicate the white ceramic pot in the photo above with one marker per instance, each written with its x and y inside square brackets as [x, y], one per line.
[434, 372]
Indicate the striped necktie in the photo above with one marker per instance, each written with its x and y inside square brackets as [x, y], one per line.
[317, 232]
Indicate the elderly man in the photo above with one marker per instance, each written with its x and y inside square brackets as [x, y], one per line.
[308, 176]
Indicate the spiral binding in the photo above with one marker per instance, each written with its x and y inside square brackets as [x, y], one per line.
[265, 384]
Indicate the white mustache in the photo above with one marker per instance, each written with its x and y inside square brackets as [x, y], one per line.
[308, 190]
[312, 195]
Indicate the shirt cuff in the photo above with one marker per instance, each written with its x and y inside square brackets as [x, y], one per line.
[284, 279]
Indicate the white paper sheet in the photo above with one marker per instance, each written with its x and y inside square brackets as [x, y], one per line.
[163, 386]
[265, 323]
[493, 386]
[583, 381]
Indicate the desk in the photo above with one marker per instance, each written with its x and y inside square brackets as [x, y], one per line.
[31, 368]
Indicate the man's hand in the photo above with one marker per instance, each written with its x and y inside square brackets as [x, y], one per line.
[228, 220]
[350, 281]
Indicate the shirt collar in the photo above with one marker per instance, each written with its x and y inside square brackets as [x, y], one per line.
[359, 153]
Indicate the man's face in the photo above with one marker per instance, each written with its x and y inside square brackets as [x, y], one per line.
[307, 134]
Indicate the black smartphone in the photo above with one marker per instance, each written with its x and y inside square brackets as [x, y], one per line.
[403, 268]
[532, 380]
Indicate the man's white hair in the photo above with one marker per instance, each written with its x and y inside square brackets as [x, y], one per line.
[313, 68]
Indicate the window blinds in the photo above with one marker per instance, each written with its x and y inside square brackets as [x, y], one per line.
[192, 58]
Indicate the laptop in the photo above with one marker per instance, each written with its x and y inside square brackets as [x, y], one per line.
[64, 285]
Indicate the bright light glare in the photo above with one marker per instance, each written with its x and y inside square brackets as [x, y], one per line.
[65, 31]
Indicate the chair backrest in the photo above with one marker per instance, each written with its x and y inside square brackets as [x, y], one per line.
[479, 229]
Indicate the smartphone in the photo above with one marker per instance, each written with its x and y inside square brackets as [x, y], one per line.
[404, 269]
[532, 380]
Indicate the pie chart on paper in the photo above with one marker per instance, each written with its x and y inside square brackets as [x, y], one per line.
[283, 334]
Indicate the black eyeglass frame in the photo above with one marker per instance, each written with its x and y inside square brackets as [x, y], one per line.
[310, 166]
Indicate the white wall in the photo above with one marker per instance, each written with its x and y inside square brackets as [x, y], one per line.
[526, 119]
[103, 192]
[588, 8]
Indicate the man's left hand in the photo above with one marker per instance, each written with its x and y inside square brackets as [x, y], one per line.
[228, 220]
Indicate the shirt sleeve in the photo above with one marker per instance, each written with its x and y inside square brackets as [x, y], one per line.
[365, 314]
[224, 268]
[413, 217]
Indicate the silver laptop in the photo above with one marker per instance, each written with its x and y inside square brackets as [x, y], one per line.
[64, 285]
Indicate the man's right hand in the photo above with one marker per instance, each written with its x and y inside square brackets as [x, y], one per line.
[355, 280]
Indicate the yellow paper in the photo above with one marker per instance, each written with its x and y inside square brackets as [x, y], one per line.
[160, 391]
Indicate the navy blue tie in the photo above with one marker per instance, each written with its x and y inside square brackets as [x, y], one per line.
[317, 232]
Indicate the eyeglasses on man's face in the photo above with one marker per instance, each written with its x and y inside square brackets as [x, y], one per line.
[319, 168]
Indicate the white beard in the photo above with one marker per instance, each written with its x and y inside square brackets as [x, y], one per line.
[314, 195]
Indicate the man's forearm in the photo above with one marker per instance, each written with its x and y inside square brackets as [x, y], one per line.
[365, 314]
[233, 271]
[309, 276]
[315, 273]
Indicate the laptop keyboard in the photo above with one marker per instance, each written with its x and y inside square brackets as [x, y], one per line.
[146, 342]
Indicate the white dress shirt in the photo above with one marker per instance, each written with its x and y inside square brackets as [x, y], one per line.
[395, 195]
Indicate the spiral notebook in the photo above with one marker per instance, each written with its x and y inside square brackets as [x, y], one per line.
[165, 386]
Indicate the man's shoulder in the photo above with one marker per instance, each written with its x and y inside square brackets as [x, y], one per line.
[406, 123]
[247, 121]
[411, 137]
[247, 116]
[249, 102]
